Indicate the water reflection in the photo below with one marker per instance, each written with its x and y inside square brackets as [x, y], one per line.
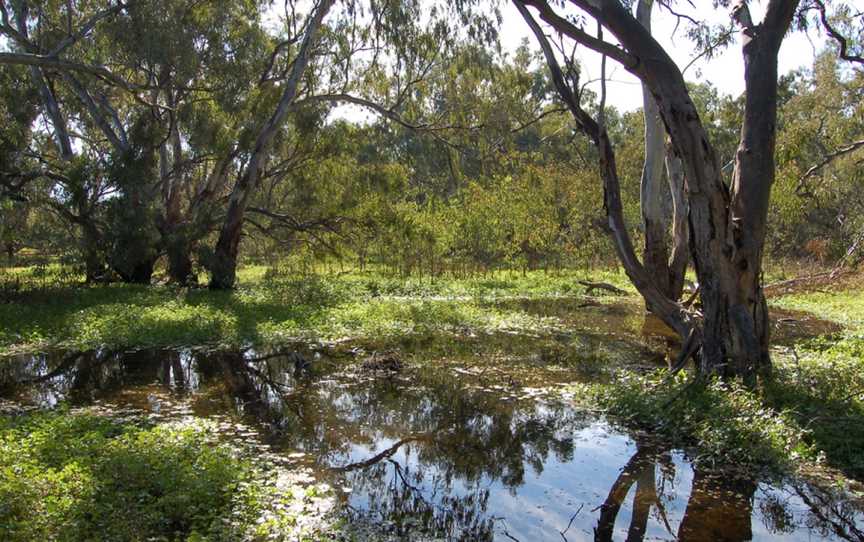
[717, 508]
[445, 449]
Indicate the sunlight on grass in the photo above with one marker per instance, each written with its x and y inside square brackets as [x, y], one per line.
[269, 307]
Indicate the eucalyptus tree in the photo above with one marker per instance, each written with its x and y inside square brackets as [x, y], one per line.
[372, 56]
[658, 192]
[727, 224]
[30, 39]
[48, 39]
[224, 262]
[150, 126]
[198, 60]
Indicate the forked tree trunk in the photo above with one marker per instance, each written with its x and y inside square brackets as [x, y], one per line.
[727, 229]
[223, 267]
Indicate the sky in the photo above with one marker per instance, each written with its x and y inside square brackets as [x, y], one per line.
[724, 71]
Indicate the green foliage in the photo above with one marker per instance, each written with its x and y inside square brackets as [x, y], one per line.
[271, 307]
[817, 215]
[810, 412]
[723, 422]
[66, 476]
[131, 236]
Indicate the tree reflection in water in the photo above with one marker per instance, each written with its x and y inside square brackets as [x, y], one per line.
[717, 508]
[425, 452]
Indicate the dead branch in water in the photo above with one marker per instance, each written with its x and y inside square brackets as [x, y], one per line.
[591, 286]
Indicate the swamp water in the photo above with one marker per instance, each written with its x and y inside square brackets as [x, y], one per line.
[455, 437]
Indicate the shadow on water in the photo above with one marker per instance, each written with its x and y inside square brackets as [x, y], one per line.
[461, 442]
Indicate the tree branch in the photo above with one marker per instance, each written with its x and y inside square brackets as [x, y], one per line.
[813, 170]
[85, 29]
[53, 63]
[569, 29]
[834, 33]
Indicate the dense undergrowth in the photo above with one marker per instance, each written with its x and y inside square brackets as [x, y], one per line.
[80, 476]
[268, 308]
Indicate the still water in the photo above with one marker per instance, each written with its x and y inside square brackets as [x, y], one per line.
[451, 438]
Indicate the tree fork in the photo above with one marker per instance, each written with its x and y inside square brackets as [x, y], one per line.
[726, 228]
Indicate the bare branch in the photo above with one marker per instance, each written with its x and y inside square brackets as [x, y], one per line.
[85, 29]
[836, 35]
[813, 170]
[54, 63]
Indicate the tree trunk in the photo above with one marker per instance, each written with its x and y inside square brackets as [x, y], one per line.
[736, 313]
[94, 265]
[223, 272]
[141, 273]
[179, 252]
[751, 190]
[680, 234]
[655, 193]
[176, 233]
[652, 189]
[727, 230]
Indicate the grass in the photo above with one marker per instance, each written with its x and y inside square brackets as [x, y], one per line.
[810, 415]
[821, 380]
[78, 476]
[812, 412]
[267, 308]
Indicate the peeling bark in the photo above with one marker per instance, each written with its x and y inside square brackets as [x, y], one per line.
[652, 188]
[680, 230]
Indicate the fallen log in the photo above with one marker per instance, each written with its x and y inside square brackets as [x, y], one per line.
[591, 286]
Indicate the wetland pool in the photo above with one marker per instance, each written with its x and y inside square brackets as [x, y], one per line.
[448, 437]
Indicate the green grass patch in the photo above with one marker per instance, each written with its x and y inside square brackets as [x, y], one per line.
[269, 308]
[71, 477]
[810, 413]
[821, 380]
